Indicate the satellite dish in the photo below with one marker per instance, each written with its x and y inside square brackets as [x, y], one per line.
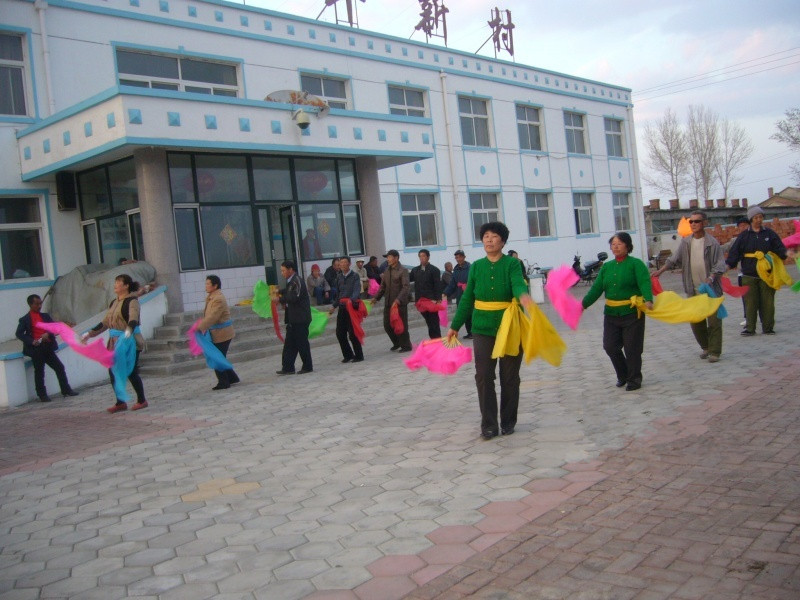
[297, 97]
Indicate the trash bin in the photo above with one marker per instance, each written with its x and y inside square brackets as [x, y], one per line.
[537, 288]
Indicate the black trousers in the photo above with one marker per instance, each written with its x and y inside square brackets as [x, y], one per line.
[229, 376]
[485, 365]
[47, 356]
[135, 380]
[623, 341]
[344, 330]
[296, 342]
[402, 340]
[432, 320]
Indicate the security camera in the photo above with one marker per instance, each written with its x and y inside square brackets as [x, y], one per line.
[302, 119]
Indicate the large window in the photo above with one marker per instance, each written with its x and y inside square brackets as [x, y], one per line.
[573, 126]
[164, 72]
[420, 220]
[333, 91]
[539, 215]
[474, 115]
[622, 211]
[484, 209]
[21, 236]
[614, 137]
[12, 75]
[528, 127]
[584, 213]
[406, 101]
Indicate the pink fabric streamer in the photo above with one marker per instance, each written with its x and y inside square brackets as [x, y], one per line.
[559, 281]
[428, 305]
[737, 291]
[793, 241]
[194, 347]
[374, 286]
[438, 358]
[95, 350]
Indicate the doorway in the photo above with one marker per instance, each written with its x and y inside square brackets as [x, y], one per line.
[278, 239]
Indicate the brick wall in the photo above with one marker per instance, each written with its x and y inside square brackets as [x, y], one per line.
[724, 234]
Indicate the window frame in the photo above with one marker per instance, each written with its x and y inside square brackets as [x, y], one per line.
[37, 226]
[529, 124]
[23, 67]
[472, 118]
[574, 132]
[406, 108]
[483, 210]
[622, 210]
[179, 84]
[340, 102]
[614, 138]
[435, 212]
[548, 210]
[584, 209]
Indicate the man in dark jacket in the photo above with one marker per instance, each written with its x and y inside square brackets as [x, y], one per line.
[427, 284]
[349, 285]
[297, 303]
[331, 273]
[41, 347]
[396, 287]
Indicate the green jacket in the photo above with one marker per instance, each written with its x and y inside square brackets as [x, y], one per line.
[489, 282]
[620, 280]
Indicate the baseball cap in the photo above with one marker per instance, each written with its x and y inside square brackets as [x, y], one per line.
[392, 253]
[459, 252]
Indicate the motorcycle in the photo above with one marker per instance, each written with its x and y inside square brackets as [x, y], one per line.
[534, 270]
[588, 273]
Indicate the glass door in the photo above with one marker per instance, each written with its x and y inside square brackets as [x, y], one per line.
[278, 239]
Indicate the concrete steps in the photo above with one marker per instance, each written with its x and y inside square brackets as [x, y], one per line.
[168, 351]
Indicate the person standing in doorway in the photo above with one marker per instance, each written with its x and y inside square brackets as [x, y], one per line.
[297, 305]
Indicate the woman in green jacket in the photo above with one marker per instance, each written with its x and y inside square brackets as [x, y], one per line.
[492, 284]
[623, 326]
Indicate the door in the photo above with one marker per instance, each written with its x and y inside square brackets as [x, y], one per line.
[278, 239]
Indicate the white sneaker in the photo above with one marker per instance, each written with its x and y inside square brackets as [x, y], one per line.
[743, 323]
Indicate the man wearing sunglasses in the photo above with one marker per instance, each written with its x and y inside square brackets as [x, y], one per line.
[701, 260]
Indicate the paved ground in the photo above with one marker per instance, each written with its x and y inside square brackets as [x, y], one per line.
[371, 482]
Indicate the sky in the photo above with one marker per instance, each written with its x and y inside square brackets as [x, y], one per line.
[740, 58]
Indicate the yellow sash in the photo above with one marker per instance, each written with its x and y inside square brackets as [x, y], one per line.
[774, 275]
[672, 308]
[534, 333]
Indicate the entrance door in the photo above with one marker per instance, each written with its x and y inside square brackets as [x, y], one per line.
[278, 239]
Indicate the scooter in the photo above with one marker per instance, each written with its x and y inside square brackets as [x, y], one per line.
[588, 273]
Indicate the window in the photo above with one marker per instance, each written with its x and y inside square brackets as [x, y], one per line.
[484, 209]
[12, 75]
[405, 101]
[165, 72]
[333, 91]
[352, 229]
[614, 137]
[573, 125]
[420, 220]
[622, 211]
[584, 213]
[474, 117]
[528, 125]
[21, 235]
[539, 217]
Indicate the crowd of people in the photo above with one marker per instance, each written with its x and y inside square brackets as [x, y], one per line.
[483, 291]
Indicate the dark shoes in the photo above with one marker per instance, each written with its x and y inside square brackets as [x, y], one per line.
[769, 333]
[487, 435]
[507, 431]
[404, 350]
[358, 359]
[69, 392]
[747, 333]
[139, 405]
[118, 407]
[282, 372]
[632, 386]
[44, 398]
[234, 379]
[304, 371]
[346, 360]
[394, 348]
[221, 386]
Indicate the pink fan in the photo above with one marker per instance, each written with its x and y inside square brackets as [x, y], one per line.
[793, 241]
[374, 286]
[436, 356]
[194, 347]
[559, 281]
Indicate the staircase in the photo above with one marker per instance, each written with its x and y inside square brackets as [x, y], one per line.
[168, 351]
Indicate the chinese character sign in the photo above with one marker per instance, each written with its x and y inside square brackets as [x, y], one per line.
[502, 31]
[433, 16]
[352, 18]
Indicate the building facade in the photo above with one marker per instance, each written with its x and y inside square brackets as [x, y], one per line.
[212, 137]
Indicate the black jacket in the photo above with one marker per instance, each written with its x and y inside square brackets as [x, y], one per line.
[331, 275]
[297, 302]
[25, 334]
[426, 282]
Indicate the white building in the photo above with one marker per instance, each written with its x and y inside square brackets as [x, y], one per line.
[139, 129]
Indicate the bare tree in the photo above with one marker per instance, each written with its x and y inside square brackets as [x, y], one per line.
[703, 142]
[735, 148]
[667, 155]
[789, 134]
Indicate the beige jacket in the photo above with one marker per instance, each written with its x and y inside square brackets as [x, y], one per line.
[114, 320]
[217, 311]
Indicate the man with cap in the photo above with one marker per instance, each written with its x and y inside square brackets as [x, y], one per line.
[759, 301]
[395, 286]
[362, 275]
[457, 285]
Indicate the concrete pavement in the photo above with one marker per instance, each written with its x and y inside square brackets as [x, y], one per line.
[368, 481]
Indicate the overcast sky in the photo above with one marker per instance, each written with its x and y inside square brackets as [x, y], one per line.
[741, 57]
